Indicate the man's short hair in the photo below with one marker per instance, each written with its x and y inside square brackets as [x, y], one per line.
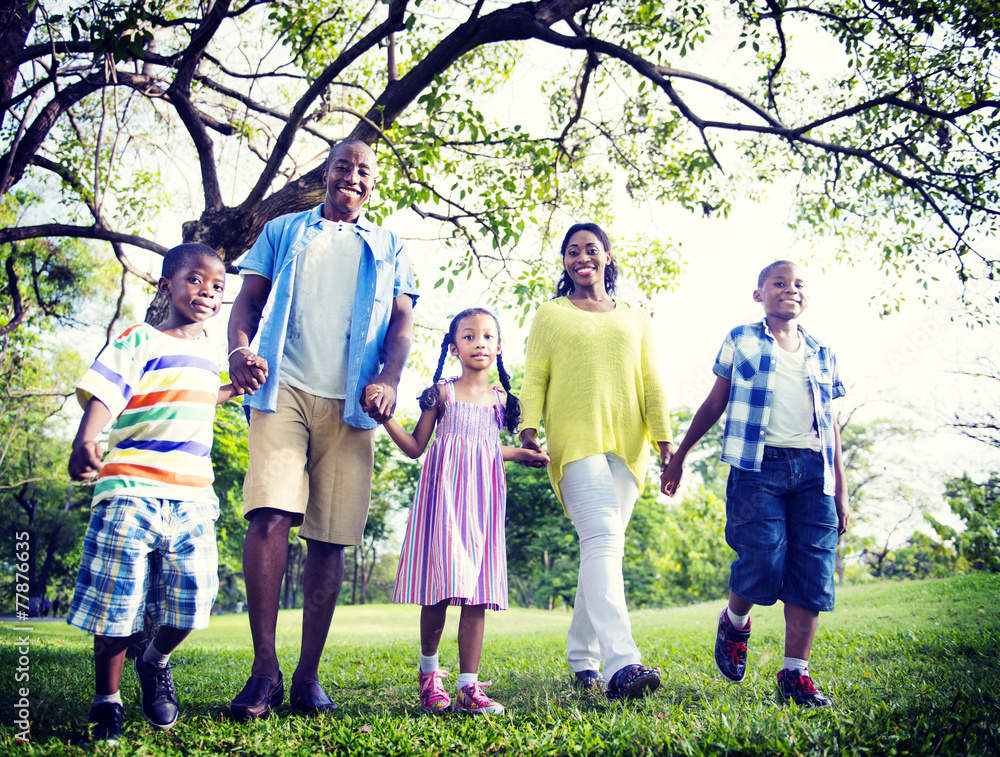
[359, 142]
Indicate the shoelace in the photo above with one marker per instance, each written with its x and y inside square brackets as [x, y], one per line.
[431, 685]
[736, 648]
[805, 683]
[163, 682]
[478, 696]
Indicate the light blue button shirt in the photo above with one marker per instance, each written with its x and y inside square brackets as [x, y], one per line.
[383, 275]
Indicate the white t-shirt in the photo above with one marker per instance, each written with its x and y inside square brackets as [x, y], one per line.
[793, 418]
[319, 323]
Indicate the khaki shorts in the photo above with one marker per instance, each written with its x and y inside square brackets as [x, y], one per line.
[306, 461]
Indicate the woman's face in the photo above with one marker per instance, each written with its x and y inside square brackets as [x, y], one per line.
[585, 260]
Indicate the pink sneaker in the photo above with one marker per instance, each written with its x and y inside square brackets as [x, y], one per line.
[433, 698]
[473, 700]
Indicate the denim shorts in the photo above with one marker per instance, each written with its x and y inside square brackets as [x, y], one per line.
[141, 551]
[784, 531]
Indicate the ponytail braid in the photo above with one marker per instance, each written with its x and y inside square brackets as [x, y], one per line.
[512, 408]
[429, 398]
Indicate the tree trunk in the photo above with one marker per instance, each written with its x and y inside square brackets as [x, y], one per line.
[16, 19]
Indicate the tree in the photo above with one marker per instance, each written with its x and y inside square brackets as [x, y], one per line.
[229, 462]
[45, 285]
[893, 139]
[982, 425]
[978, 505]
[675, 551]
[543, 555]
[922, 557]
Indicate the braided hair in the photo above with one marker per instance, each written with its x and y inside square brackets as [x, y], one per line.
[431, 396]
[565, 286]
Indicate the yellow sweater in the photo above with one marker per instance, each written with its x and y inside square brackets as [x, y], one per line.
[594, 380]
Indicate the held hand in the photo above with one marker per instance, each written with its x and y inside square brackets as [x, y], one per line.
[247, 371]
[528, 440]
[85, 461]
[670, 477]
[666, 453]
[534, 458]
[379, 401]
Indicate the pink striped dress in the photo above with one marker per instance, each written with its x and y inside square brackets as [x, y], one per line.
[455, 545]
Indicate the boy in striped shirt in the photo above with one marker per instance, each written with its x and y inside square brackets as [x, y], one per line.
[153, 504]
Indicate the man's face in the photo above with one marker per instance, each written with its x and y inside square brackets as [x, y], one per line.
[349, 176]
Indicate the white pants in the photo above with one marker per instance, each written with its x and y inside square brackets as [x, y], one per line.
[600, 492]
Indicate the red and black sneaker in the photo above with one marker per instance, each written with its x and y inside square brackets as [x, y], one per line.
[796, 686]
[731, 648]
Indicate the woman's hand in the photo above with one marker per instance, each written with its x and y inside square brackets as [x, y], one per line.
[529, 442]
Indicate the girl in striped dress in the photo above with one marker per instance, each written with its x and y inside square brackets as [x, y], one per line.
[454, 552]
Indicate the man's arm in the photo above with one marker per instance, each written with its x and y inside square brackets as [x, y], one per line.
[247, 376]
[381, 404]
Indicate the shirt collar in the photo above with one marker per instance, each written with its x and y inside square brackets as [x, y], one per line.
[316, 217]
[812, 344]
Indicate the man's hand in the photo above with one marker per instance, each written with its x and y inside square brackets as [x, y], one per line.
[247, 371]
[379, 401]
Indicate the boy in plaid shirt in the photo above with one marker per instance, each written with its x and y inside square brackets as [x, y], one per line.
[786, 498]
[153, 496]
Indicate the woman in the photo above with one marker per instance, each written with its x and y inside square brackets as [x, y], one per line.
[592, 376]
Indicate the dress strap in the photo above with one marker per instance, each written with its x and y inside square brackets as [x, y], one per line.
[449, 390]
[500, 410]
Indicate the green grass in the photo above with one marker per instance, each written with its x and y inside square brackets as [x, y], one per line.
[913, 669]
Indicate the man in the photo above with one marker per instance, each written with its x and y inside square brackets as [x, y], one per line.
[339, 294]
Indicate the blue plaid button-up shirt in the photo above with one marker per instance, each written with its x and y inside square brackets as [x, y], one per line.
[746, 359]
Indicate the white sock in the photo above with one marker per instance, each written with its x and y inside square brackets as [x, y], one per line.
[464, 679]
[739, 621]
[154, 656]
[115, 698]
[794, 663]
[427, 664]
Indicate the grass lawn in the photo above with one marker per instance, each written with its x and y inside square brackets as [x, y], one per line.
[914, 668]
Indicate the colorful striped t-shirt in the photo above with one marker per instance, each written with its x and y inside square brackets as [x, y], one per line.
[162, 392]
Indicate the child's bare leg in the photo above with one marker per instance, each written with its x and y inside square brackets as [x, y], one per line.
[800, 630]
[470, 637]
[109, 660]
[738, 605]
[168, 638]
[432, 619]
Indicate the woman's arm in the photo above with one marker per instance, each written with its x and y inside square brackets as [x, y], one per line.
[536, 379]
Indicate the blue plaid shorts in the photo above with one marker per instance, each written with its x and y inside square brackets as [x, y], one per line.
[157, 552]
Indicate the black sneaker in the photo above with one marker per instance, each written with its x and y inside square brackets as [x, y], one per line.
[731, 648]
[159, 700]
[798, 687]
[106, 722]
[587, 680]
[633, 682]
